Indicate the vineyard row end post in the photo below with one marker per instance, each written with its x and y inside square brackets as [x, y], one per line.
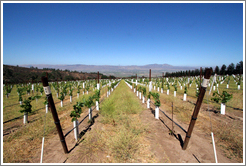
[203, 88]
[54, 113]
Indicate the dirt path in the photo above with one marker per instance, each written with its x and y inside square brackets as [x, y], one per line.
[199, 150]
[165, 147]
[53, 150]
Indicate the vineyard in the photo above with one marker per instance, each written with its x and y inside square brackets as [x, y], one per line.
[137, 120]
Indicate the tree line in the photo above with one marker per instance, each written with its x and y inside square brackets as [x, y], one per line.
[223, 70]
[16, 74]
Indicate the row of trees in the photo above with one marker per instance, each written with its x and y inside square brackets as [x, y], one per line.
[224, 70]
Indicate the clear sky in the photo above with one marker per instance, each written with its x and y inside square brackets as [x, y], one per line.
[179, 34]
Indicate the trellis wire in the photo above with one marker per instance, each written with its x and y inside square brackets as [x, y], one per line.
[171, 119]
[82, 120]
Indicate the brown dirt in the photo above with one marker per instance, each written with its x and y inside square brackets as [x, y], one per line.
[53, 150]
[164, 146]
[199, 148]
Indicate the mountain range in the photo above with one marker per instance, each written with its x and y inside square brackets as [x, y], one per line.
[156, 69]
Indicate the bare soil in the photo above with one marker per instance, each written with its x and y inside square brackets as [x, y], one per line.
[164, 146]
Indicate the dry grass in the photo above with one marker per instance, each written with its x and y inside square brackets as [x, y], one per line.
[120, 138]
[20, 145]
[228, 132]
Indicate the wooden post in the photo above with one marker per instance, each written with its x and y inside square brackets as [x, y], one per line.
[149, 74]
[162, 80]
[150, 83]
[203, 88]
[200, 76]
[54, 113]
[98, 77]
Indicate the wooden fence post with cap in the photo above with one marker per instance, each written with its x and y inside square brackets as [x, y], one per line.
[203, 88]
[54, 113]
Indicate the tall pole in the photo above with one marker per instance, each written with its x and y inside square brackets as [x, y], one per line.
[54, 113]
[150, 82]
[200, 76]
[98, 85]
[162, 79]
[149, 74]
[203, 88]
[98, 77]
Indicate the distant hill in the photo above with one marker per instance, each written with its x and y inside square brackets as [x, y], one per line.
[16, 74]
[118, 71]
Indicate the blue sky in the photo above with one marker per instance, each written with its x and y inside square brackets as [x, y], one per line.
[179, 34]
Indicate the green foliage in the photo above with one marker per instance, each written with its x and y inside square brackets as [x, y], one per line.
[97, 95]
[61, 96]
[144, 91]
[20, 93]
[79, 87]
[175, 87]
[8, 90]
[224, 97]
[28, 88]
[168, 86]
[69, 77]
[139, 88]
[89, 102]
[113, 84]
[77, 111]
[185, 89]
[37, 88]
[70, 90]
[64, 89]
[41, 90]
[46, 101]
[156, 97]
[87, 87]
[239, 80]
[20, 98]
[37, 97]
[26, 106]
[149, 95]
